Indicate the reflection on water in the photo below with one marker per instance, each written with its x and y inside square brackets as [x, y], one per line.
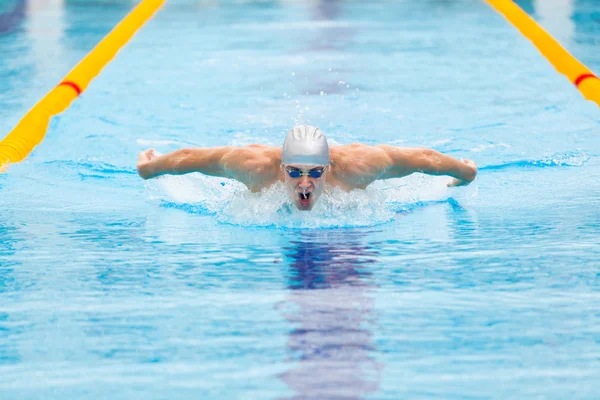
[329, 306]
[326, 9]
[328, 38]
[11, 19]
[555, 16]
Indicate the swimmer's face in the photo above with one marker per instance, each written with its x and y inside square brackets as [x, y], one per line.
[304, 184]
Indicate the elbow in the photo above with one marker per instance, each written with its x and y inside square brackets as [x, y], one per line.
[430, 161]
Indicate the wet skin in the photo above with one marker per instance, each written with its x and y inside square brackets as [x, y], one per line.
[353, 166]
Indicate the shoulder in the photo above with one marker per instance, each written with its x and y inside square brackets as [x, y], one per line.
[358, 154]
[252, 154]
[254, 165]
[357, 165]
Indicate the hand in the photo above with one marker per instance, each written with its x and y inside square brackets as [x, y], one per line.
[144, 158]
[472, 171]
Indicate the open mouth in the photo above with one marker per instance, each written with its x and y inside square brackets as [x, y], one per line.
[304, 198]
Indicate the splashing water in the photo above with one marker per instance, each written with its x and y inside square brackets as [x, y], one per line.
[335, 208]
[234, 204]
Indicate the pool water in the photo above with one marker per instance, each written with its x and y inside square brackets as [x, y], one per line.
[191, 287]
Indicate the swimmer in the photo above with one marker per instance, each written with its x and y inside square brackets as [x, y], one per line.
[306, 165]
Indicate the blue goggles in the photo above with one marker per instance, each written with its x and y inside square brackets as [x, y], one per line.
[295, 173]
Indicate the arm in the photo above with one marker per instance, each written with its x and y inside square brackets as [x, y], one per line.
[405, 161]
[206, 161]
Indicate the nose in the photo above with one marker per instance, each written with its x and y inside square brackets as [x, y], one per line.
[304, 183]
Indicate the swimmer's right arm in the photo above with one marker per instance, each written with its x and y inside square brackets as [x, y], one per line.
[183, 161]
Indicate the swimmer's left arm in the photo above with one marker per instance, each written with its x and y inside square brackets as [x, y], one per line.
[398, 162]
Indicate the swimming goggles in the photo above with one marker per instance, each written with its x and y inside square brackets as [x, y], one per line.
[313, 173]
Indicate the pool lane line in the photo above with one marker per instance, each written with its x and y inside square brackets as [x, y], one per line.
[30, 131]
[581, 76]
[73, 85]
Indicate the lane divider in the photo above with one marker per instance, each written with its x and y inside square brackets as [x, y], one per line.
[30, 131]
[583, 77]
[580, 75]
[73, 85]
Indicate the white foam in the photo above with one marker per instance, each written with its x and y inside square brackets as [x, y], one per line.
[483, 147]
[234, 204]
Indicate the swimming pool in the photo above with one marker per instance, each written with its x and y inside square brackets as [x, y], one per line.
[188, 287]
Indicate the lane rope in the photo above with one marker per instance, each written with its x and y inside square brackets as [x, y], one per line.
[583, 77]
[551, 49]
[30, 131]
[73, 85]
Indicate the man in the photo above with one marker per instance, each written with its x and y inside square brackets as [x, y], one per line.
[306, 164]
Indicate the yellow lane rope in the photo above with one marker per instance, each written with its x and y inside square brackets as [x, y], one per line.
[580, 75]
[30, 131]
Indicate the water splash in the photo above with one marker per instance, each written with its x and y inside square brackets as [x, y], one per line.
[335, 208]
[233, 204]
[197, 191]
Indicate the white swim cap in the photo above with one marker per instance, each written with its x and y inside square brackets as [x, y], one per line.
[305, 145]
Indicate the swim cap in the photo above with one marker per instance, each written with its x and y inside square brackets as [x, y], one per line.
[305, 145]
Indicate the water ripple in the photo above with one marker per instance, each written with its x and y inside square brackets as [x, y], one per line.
[568, 159]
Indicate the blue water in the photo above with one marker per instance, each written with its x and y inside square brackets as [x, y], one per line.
[191, 287]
